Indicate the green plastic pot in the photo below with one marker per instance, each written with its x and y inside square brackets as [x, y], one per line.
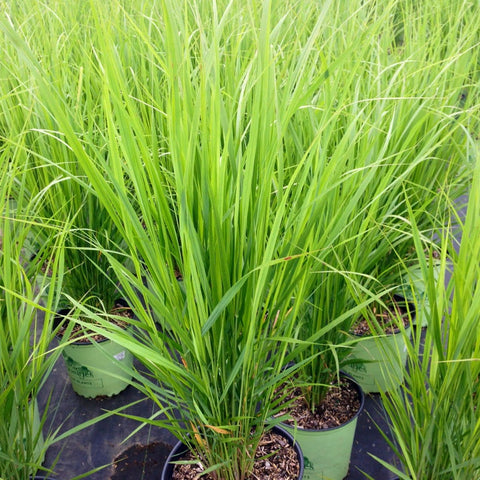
[381, 361]
[415, 291]
[326, 453]
[99, 368]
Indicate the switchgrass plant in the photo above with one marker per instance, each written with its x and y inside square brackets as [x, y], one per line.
[434, 416]
[222, 225]
[269, 155]
[385, 101]
[25, 336]
[63, 199]
[410, 84]
[221, 221]
[28, 349]
[49, 177]
[49, 181]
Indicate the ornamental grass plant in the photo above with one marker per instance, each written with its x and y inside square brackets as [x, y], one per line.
[434, 416]
[276, 157]
[28, 351]
[26, 333]
[24, 343]
[396, 135]
[213, 216]
[49, 177]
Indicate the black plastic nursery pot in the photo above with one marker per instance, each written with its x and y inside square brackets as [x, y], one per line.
[96, 369]
[327, 452]
[180, 449]
[381, 359]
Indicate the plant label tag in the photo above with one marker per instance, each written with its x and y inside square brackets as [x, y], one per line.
[119, 356]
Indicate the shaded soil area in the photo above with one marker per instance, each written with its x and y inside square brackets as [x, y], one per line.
[141, 461]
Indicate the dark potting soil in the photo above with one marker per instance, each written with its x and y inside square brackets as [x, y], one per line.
[78, 332]
[141, 461]
[387, 319]
[339, 406]
[277, 460]
[178, 274]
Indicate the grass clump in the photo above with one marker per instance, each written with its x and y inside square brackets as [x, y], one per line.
[277, 157]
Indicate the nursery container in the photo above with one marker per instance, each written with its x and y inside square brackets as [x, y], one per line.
[383, 360]
[180, 449]
[380, 359]
[94, 369]
[327, 452]
[416, 292]
[98, 368]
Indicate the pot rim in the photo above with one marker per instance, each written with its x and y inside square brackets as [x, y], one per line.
[62, 314]
[411, 309]
[330, 429]
[180, 448]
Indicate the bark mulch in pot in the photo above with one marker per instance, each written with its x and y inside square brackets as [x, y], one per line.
[277, 461]
[386, 318]
[339, 406]
[78, 332]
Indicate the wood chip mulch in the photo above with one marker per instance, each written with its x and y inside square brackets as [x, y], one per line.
[276, 460]
[339, 406]
[387, 320]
